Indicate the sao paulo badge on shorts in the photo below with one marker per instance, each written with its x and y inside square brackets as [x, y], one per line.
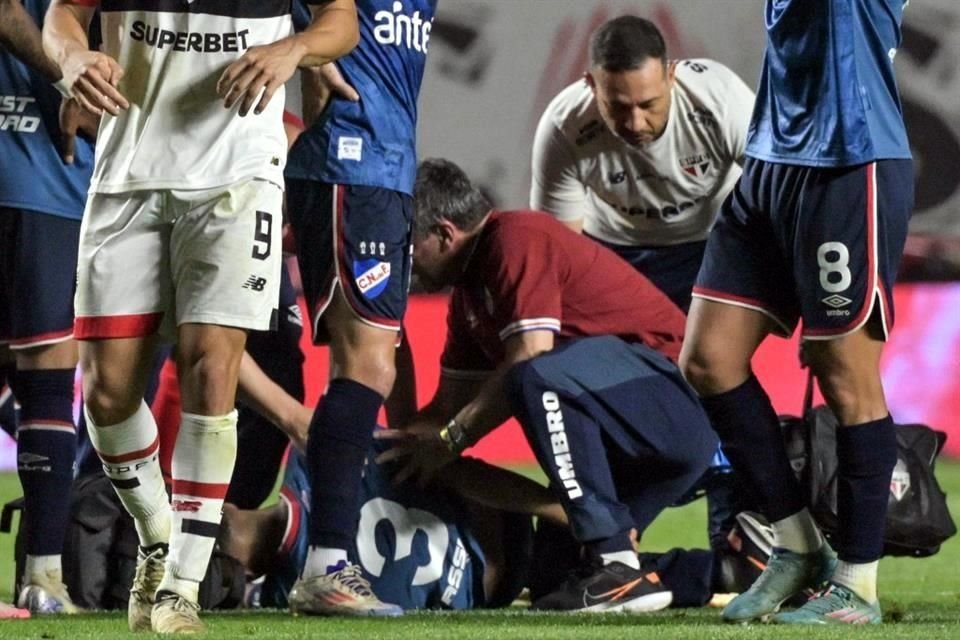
[371, 277]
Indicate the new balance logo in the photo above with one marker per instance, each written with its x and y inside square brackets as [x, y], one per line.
[559, 445]
[255, 283]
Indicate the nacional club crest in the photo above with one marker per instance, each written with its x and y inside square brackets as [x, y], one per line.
[371, 277]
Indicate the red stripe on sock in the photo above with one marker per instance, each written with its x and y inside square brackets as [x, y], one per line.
[133, 455]
[200, 489]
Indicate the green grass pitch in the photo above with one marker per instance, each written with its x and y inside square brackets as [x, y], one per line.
[921, 600]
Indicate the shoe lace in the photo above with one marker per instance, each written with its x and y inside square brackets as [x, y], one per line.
[149, 572]
[775, 567]
[180, 605]
[185, 607]
[831, 598]
[352, 578]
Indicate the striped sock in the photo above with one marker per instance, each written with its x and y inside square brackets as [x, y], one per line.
[203, 462]
[129, 452]
[46, 449]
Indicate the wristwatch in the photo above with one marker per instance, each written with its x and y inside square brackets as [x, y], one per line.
[454, 435]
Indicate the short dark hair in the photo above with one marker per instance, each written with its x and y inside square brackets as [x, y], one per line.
[443, 191]
[625, 43]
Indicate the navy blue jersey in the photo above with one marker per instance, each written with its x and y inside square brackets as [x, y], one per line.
[827, 95]
[414, 546]
[372, 142]
[32, 175]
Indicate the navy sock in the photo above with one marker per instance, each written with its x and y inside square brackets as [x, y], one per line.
[750, 431]
[46, 449]
[866, 456]
[341, 433]
[8, 412]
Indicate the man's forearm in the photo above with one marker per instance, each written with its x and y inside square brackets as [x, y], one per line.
[20, 36]
[333, 33]
[501, 489]
[64, 31]
[270, 400]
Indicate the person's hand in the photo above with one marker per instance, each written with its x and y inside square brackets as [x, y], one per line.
[75, 119]
[261, 70]
[420, 452]
[321, 83]
[93, 78]
[299, 429]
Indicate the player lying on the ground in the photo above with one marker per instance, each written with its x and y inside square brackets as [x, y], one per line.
[419, 549]
[452, 545]
[557, 331]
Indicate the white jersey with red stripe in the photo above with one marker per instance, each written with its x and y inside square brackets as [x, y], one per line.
[662, 193]
[177, 133]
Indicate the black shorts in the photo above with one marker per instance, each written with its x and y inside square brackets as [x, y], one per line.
[38, 274]
[818, 243]
[357, 238]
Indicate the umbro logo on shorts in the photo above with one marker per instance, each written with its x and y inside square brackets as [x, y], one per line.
[256, 283]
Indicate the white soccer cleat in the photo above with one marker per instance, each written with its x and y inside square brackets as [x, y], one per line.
[341, 593]
[143, 591]
[174, 614]
[46, 594]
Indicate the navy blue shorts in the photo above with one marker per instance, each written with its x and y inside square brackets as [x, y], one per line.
[617, 430]
[357, 238]
[822, 244]
[673, 268]
[38, 274]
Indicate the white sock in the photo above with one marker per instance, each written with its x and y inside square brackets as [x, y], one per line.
[798, 533]
[43, 567]
[321, 559]
[861, 578]
[627, 557]
[129, 452]
[203, 460]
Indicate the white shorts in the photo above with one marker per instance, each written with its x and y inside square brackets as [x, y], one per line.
[150, 261]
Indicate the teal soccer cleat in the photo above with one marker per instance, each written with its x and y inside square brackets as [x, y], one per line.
[787, 574]
[834, 605]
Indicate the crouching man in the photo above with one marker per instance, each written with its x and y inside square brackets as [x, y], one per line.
[551, 328]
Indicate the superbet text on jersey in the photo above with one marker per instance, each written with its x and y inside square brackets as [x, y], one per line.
[176, 133]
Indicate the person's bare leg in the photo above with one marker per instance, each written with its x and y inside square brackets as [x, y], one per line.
[123, 430]
[341, 431]
[208, 363]
[848, 371]
[721, 340]
[124, 434]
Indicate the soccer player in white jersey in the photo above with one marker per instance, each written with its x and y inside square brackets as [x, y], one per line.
[640, 153]
[181, 239]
